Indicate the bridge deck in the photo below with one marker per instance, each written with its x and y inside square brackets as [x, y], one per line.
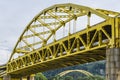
[82, 47]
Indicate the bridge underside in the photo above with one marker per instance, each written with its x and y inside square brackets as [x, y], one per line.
[65, 61]
[68, 51]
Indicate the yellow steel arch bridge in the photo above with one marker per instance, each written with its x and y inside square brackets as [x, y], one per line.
[61, 74]
[64, 35]
[80, 71]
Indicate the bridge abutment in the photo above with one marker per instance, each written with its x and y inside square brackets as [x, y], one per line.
[112, 63]
[31, 77]
[8, 77]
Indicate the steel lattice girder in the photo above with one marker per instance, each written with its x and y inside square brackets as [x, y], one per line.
[78, 48]
[71, 11]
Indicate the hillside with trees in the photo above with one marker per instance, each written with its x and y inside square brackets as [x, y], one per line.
[96, 68]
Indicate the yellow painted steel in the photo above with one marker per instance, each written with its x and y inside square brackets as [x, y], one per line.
[24, 78]
[1, 78]
[2, 67]
[2, 73]
[80, 71]
[2, 70]
[40, 50]
[15, 79]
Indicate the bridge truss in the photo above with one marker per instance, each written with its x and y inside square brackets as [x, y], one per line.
[53, 39]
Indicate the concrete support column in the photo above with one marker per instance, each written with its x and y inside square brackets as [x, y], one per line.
[24, 78]
[32, 77]
[8, 77]
[112, 63]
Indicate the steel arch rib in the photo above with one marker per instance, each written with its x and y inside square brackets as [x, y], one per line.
[81, 71]
[87, 9]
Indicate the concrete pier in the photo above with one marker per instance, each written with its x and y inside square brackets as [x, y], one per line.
[8, 77]
[112, 63]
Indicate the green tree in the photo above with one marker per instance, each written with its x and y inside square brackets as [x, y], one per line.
[40, 76]
[68, 78]
[97, 77]
[84, 78]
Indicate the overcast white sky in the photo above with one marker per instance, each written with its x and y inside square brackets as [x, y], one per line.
[16, 14]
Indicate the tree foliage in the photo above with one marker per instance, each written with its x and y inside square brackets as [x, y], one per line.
[96, 68]
[40, 76]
